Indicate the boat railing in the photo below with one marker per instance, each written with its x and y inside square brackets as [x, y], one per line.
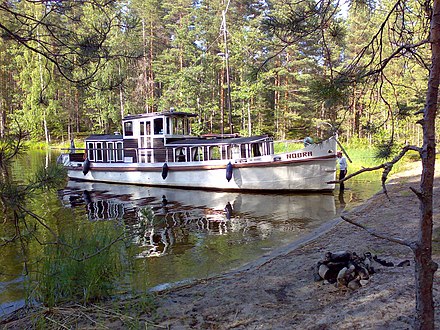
[130, 155]
[193, 153]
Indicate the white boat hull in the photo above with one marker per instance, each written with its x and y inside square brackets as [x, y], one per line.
[307, 169]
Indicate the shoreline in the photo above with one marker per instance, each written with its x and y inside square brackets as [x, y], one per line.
[286, 249]
[277, 291]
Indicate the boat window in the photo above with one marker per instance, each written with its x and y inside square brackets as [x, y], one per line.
[148, 128]
[158, 126]
[142, 128]
[243, 149]
[214, 153]
[180, 126]
[110, 151]
[128, 128]
[235, 152]
[226, 152]
[197, 154]
[180, 155]
[119, 152]
[168, 126]
[256, 150]
[187, 126]
[174, 127]
[90, 151]
[99, 151]
[270, 149]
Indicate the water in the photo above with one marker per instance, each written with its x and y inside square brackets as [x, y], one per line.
[172, 234]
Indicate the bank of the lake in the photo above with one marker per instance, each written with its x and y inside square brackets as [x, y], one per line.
[187, 234]
[278, 291]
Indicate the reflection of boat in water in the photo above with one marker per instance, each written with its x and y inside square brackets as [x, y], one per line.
[313, 206]
[161, 219]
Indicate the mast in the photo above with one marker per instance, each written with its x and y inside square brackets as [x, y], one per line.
[228, 82]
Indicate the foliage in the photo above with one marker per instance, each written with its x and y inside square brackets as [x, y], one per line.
[150, 55]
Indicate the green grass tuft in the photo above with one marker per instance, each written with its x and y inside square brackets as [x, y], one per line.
[61, 277]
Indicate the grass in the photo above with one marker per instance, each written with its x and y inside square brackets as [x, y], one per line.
[41, 145]
[361, 154]
[281, 147]
[75, 271]
[132, 313]
[76, 285]
[364, 157]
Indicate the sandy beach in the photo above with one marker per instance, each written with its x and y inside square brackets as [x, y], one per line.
[279, 291]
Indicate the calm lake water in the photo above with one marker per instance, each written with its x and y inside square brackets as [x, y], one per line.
[172, 234]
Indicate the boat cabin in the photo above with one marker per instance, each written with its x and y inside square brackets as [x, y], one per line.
[166, 137]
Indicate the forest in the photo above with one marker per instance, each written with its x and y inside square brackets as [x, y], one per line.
[71, 68]
[370, 69]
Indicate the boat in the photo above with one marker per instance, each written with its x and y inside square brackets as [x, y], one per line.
[159, 149]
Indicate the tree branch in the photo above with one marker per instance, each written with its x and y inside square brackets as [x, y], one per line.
[387, 167]
[378, 235]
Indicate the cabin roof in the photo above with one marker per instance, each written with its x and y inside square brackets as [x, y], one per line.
[218, 141]
[159, 114]
[104, 137]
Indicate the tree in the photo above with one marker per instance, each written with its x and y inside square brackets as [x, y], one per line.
[409, 47]
[53, 39]
[373, 62]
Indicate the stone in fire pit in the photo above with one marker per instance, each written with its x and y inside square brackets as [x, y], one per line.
[347, 269]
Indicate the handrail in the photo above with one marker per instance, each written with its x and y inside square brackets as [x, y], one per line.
[170, 152]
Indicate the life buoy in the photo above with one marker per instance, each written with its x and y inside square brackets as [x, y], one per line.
[165, 170]
[229, 170]
[86, 166]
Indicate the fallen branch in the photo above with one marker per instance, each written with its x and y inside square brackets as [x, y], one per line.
[378, 235]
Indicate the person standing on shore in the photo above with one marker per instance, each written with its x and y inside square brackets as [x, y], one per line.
[342, 161]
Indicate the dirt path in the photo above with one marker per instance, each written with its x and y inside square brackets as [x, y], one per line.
[278, 292]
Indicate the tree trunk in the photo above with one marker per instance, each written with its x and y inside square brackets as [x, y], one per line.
[42, 87]
[277, 105]
[77, 114]
[425, 267]
[121, 94]
[249, 117]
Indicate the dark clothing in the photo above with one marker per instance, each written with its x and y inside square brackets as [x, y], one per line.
[342, 174]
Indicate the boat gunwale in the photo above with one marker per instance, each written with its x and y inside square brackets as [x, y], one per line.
[235, 190]
[185, 166]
